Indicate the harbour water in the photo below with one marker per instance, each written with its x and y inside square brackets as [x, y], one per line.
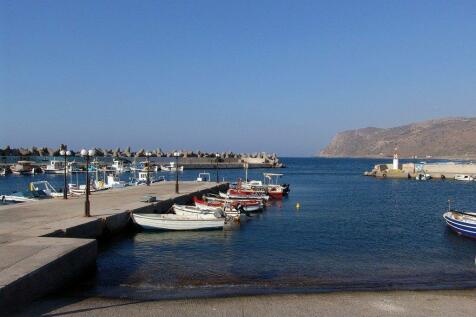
[351, 233]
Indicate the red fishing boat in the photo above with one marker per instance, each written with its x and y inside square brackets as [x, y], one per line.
[246, 205]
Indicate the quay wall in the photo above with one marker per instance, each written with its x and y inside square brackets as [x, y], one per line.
[56, 262]
[435, 170]
[450, 170]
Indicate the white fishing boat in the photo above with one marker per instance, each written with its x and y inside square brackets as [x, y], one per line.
[75, 189]
[46, 187]
[176, 222]
[270, 186]
[55, 167]
[73, 167]
[16, 198]
[25, 168]
[120, 166]
[216, 202]
[143, 167]
[114, 182]
[241, 196]
[3, 171]
[423, 177]
[463, 223]
[203, 177]
[25, 196]
[171, 167]
[464, 178]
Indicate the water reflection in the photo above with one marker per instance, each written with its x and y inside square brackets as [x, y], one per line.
[351, 232]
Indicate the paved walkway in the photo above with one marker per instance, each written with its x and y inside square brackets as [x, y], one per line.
[35, 219]
[402, 303]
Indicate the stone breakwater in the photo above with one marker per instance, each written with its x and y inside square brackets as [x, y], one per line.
[189, 159]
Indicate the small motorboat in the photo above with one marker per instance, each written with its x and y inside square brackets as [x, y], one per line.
[269, 186]
[463, 223]
[26, 196]
[55, 167]
[423, 177]
[142, 179]
[114, 182]
[464, 178]
[4, 171]
[243, 194]
[143, 167]
[120, 166]
[242, 205]
[177, 222]
[75, 189]
[203, 177]
[45, 187]
[171, 167]
[73, 167]
[25, 168]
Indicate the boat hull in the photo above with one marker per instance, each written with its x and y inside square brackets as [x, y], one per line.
[175, 222]
[195, 211]
[47, 171]
[243, 197]
[248, 205]
[461, 226]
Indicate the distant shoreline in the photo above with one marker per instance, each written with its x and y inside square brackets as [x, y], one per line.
[457, 158]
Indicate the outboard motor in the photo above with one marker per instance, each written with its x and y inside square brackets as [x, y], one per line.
[242, 210]
[219, 213]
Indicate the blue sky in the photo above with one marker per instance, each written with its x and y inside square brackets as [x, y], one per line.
[276, 76]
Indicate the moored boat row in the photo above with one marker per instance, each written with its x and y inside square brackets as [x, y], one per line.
[59, 166]
[214, 211]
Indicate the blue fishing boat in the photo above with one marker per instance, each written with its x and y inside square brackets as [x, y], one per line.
[463, 223]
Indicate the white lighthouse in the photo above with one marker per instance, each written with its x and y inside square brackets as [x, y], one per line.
[395, 160]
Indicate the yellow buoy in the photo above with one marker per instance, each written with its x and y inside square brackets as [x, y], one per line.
[298, 205]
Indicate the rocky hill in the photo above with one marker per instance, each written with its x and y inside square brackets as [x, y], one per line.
[442, 138]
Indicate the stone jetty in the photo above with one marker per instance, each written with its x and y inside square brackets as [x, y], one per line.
[47, 244]
[189, 159]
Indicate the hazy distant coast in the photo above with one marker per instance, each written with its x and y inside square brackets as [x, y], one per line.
[449, 138]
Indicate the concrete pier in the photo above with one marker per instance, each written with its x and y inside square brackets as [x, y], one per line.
[46, 244]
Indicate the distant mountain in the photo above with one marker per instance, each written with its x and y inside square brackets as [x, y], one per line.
[442, 138]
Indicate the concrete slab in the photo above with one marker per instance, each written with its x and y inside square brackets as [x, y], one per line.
[33, 267]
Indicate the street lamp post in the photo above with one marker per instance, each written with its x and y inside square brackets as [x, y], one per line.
[177, 155]
[65, 154]
[148, 155]
[87, 154]
[216, 165]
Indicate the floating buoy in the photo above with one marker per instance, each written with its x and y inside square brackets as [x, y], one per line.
[298, 205]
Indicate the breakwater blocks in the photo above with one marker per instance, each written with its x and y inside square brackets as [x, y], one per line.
[47, 244]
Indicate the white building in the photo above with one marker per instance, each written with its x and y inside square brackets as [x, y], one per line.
[395, 160]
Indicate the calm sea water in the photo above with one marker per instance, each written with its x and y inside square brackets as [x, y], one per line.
[351, 232]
